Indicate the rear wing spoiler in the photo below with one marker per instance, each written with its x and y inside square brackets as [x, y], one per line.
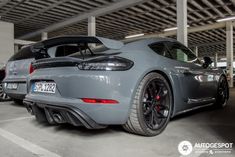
[39, 49]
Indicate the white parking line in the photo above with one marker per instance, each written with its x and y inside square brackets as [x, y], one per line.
[33, 148]
[15, 119]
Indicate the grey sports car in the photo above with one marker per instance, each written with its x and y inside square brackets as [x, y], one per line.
[139, 85]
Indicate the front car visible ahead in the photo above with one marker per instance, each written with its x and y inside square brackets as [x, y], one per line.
[140, 85]
[3, 95]
[17, 70]
[19, 67]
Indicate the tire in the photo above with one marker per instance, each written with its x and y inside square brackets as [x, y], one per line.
[222, 93]
[147, 106]
[18, 101]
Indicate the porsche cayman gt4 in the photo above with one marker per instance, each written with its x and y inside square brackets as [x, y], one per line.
[139, 85]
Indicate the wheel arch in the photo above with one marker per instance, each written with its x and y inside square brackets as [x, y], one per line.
[167, 77]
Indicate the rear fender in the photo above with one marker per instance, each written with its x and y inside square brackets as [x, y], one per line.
[172, 82]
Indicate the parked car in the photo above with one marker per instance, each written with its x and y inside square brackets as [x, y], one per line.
[3, 95]
[19, 67]
[140, 85]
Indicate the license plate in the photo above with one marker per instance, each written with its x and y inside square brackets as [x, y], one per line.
[44, 87]
[12, 86]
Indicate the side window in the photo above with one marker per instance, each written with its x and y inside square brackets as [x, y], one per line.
[24, 53]
[182, 53]
[160, 49]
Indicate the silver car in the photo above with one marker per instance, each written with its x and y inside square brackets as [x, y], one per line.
[19, 67]
[140, 85]
[17, 70]
[3, 95]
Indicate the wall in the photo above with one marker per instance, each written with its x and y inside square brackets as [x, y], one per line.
[6, 41]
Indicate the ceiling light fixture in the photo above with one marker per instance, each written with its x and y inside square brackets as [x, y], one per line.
[133, 36]
[226, 19]
[171, 29]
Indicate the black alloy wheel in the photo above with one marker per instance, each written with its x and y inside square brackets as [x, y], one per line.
[223, 92]
[156, 104]
[152, 106]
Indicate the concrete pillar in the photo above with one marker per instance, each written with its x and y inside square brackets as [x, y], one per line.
[6, 41]
[229, 51]
[44, 36]
[182, 33]
[215, 60]
[91, 26]
[16, 48]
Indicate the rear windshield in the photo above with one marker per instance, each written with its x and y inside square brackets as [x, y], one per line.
[65, 50]
[91, 52]
[56, 51]
[24, 53]
[75, 50]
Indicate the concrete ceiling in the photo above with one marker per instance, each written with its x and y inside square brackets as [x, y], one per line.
[148, 16]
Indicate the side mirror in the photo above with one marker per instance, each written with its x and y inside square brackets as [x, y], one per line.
[207, 62]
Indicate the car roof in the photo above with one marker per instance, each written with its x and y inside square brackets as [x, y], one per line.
[151, 40]
[143, 43]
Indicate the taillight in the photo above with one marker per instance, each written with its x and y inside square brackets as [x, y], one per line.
[106, 64]
[31, 69]
[99, 101]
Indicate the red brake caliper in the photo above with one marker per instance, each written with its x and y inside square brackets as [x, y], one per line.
[158, 98]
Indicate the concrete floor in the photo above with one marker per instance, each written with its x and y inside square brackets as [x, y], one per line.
[22, 136]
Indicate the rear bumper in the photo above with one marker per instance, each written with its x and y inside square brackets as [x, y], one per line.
[18, 93]
[71, 87]
[108, 114]
[16, 96]
[68, 114]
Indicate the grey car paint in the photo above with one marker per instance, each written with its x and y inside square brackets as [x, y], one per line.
[192, 85]
[18, 69]
[17, 72]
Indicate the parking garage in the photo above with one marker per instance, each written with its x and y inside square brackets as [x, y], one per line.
[206, 27]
